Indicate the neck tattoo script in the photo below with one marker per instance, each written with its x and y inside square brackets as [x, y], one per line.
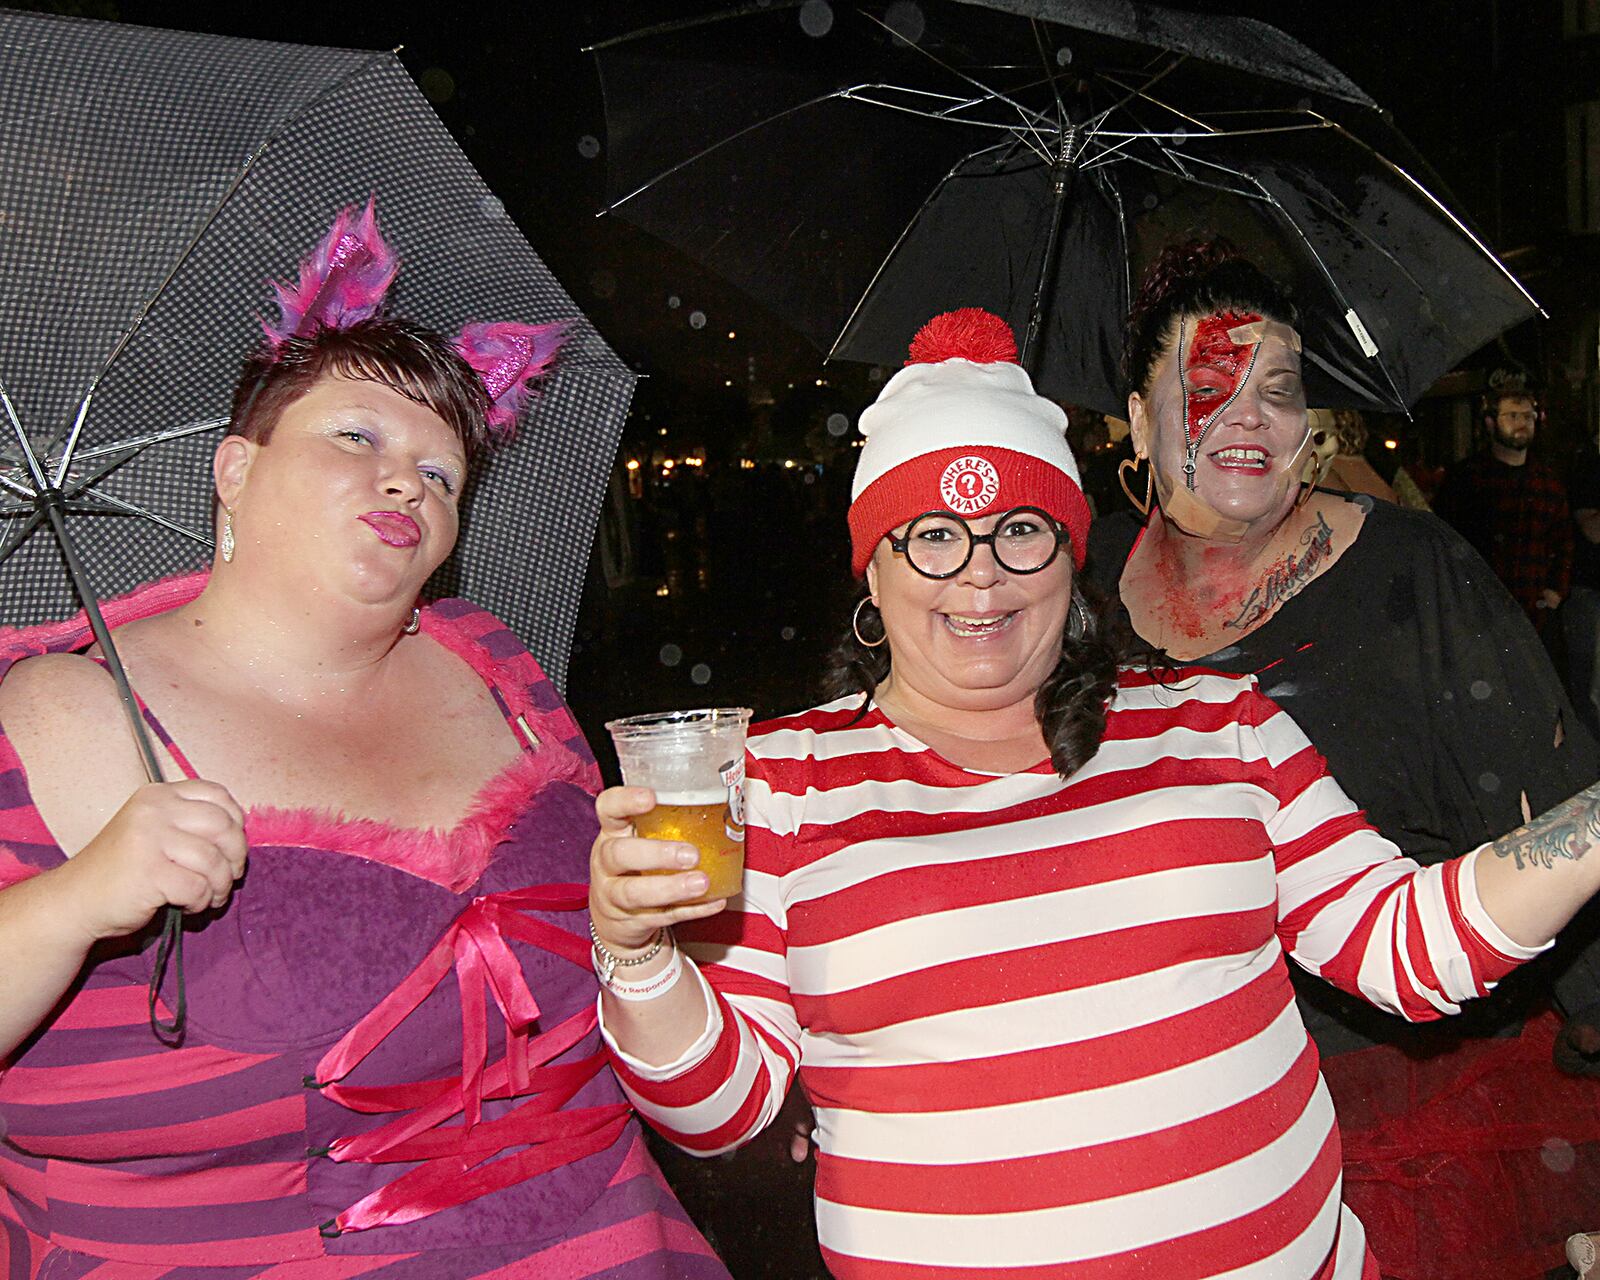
[1287, 577]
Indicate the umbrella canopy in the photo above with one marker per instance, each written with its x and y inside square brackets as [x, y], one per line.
[153, 182]
[859, 167]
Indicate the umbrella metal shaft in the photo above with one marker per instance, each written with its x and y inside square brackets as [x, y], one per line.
[1061, 176]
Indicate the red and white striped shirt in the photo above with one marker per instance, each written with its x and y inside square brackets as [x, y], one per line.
[1047, 1026]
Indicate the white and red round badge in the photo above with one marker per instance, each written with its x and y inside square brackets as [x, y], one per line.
[969, 484]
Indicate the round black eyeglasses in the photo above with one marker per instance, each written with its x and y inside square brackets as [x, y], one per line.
[939, 544]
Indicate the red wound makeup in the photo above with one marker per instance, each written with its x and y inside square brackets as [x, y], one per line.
[1213, 371]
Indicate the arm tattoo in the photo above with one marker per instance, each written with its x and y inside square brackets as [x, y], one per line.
[1569, 831]
[1287, 576]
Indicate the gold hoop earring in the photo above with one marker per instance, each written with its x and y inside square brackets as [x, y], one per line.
[855, 625]
[1143, 508]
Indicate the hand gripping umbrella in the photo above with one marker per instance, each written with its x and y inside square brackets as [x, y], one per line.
[860, 166]
[151, 183]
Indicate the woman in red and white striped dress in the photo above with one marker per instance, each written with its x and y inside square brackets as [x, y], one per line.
[1018, 916]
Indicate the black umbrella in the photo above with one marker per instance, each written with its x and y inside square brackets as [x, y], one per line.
[151, 183]
[859, 167]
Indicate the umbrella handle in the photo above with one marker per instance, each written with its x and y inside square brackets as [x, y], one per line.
[169, 950]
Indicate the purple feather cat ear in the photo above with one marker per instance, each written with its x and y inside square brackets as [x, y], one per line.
[509, 357]
[342, 282]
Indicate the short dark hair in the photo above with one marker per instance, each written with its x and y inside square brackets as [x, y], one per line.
[1201, 277]
[1494, 397]
[407, 358]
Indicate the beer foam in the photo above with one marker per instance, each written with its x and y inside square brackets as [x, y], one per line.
[712, 795]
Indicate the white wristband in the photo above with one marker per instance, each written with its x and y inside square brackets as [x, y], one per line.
[647, 989]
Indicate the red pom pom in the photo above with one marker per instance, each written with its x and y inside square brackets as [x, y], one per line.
[968, 334]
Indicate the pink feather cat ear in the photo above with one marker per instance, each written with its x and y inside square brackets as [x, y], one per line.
[510, 357]
[341, 283]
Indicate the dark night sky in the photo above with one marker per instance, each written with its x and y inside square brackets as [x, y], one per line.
[522, 99]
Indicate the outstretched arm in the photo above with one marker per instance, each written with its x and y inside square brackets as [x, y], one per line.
[1535, 879]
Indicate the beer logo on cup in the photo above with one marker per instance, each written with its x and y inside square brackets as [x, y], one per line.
[969, 484]
[732, 775]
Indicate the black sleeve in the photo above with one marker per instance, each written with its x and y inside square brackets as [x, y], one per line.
[1499, 725]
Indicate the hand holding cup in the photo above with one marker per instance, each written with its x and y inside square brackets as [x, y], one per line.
[671, 844]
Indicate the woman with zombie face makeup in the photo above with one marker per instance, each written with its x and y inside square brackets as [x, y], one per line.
[1416, 677]
[1017, 910]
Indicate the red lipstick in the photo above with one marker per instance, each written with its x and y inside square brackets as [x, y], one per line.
[393, 528]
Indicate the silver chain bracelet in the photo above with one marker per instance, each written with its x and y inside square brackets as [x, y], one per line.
[610, 963]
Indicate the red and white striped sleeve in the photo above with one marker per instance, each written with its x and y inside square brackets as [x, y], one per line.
[1352, 909]
[727, 1086]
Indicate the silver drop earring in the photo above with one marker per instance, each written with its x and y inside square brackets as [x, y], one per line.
[225, 542]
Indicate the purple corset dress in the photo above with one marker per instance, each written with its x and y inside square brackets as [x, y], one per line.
[331, 1112]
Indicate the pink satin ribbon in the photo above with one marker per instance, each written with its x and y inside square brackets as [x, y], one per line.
[477, 947]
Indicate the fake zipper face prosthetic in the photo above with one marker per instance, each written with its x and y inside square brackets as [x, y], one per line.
[1231, 443]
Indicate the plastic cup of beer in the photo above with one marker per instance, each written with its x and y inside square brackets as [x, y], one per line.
[694, 762]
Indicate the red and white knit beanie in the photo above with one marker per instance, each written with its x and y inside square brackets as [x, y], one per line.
[961, 429]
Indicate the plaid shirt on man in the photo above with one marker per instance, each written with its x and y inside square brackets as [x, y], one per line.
[1518, 519]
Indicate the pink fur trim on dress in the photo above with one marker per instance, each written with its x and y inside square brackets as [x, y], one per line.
[454, 857]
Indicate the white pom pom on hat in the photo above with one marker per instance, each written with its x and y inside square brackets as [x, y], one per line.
[961, 429]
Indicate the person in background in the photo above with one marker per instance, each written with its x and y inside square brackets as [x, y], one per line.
[1339, 437]
[1419, 680]
[1512, 507]
[1415, 482]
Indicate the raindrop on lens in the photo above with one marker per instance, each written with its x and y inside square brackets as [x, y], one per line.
[1179, 136]
[787, 633]
[838, 424]
[1150, 201]
[816, 18]
[1480, 689]
[1489, 781]
[697, 319]
[588, 146]
[492, 206]
[1558, 1155]
[437, 85]
[1063, 56]
[671, 655]
[906, 20]
[674, 302]
[604, 283]
[700, 673]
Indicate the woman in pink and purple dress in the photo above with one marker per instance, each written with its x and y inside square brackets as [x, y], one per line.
[371, 796]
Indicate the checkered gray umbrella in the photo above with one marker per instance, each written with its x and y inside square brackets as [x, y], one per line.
[151, 182]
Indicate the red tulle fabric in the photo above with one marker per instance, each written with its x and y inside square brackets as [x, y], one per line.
[456, 1160]
[1469, 1164]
